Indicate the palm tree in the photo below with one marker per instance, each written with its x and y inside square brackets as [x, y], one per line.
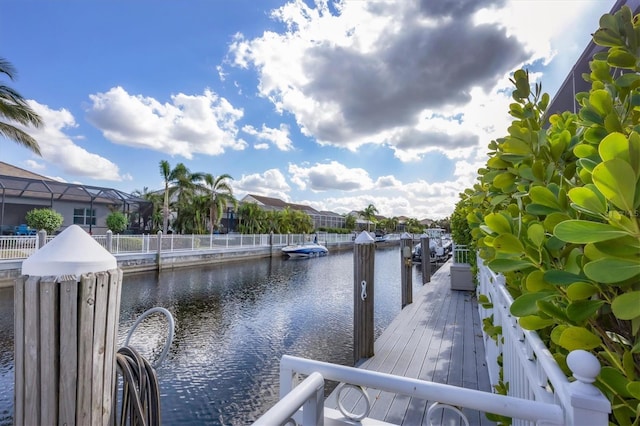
[250, 217]
[177, 179]
[369, 214]
[186, 187]
[220, 194]
[13, 107]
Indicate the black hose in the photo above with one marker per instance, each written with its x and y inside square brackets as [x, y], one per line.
[140, 401]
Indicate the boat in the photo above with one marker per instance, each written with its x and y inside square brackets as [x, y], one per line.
[305, 250]
[439, 247]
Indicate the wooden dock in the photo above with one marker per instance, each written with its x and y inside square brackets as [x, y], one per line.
[437, 338]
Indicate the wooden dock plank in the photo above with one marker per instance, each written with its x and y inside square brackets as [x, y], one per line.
[436, 338]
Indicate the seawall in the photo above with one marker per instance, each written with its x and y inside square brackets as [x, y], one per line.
[10, 270]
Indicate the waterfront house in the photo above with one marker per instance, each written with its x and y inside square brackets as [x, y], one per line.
[84, 205]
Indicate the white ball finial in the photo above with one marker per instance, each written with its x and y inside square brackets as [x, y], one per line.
[584, 365]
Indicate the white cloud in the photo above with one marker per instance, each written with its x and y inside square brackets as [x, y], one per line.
[271, 183]
[278, 137]
[58, 148]
[367, 74]
[190, 124]
[330, 176]
[35, 165]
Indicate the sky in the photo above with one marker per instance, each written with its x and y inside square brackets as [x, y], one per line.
[333, 104]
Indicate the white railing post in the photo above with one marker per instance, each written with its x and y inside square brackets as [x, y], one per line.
[109, 241]
[588, 404]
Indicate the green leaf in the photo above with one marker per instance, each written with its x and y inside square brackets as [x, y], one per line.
[498, 223]
[612, 270]
[581, 291]
[535, 232]
[535, 282]
[584, 150]
[517, 147]
[534, 322]
[504, 180]
[557, 332]
[614, 145]
[540, 210]
[601, 101]
[626, 306]
[580, 310]
[553, 219]
[526, 304]
[558, 277]
[552, 310]
[616, 180]
[584, 231]
[588, 199]
[627, 79]
[578, 338]
[634, 389]
[508, 243]
[620, 59]
[624, 247]
[509, 265]
[614, 379]
[542, 195]
[628, 365]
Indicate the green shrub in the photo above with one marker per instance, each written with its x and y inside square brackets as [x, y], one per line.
[47, 219]
[557, 212]
[117, 222]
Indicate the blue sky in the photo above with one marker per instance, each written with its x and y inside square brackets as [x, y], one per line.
[333, 104]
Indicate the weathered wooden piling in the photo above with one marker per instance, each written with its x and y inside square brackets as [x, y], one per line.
[364, 251]
[406, 281]
[425, 261]
[67, 305]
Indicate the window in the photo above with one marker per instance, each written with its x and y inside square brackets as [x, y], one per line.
[84, 216]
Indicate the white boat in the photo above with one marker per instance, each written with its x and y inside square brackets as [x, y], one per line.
[305, 250]
[439, 246]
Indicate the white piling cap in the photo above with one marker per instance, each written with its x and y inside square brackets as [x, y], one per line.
[364, 238]
[72, 252]
[406, 236]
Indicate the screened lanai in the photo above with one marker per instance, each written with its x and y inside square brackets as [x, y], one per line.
[84, 205]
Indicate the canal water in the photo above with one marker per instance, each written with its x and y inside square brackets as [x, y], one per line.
[233, 323]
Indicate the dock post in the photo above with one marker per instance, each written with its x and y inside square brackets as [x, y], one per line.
[109, 241]
[425, 261]
[159, 254]
[364, 250]
[67, 305]
[405, 269]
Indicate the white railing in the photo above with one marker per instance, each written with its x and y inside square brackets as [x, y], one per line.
[528, 366]
[21, 247]
[443, 396]
[460, 254]
[17, 247]
[538, 391]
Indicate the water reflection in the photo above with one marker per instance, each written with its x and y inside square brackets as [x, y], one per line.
[233, 323]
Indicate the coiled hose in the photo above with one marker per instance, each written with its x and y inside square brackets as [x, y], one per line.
[140, 402]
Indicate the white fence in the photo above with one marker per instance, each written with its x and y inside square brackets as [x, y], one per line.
[21, 247]
[528, 366]
[460, 254]
[539, 392]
